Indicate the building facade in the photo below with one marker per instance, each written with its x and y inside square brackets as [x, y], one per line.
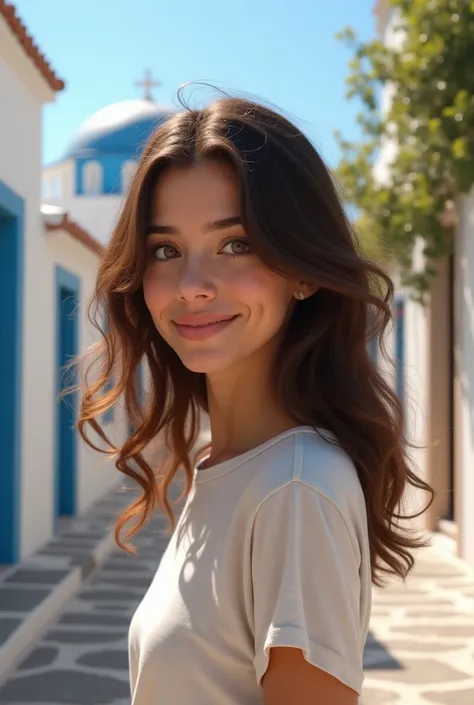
[436, 363]
[50, 249]
[95, 171]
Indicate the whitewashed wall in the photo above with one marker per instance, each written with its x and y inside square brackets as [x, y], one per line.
[59, 181]
[464, 275]
[415, 392]
[96, 214]
[416, 399]
[22, 94]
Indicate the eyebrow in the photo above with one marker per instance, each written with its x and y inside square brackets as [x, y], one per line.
[209, 227]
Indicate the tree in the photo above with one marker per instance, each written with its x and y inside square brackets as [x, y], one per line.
[425, 137]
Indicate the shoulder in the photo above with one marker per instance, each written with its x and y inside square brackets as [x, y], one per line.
[317, 464]
[310, 563]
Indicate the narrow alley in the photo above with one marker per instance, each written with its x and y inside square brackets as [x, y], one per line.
[420, 650]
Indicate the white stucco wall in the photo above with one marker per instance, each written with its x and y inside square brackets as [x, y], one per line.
[58, 181]
[464, 275]
[416, 399]
[96, 214]
[22, 93]
[415, 393]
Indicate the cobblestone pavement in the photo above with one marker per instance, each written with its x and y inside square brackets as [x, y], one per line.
[421, 647]
[83, 658]
[420, 650]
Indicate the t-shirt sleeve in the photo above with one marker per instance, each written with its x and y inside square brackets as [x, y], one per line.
[306, 583]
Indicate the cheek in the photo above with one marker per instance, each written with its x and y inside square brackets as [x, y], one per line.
[157, 293]
[264, 291]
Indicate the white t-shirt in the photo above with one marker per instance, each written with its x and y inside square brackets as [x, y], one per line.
[271, 549]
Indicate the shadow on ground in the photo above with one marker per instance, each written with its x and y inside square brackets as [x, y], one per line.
[377, 657]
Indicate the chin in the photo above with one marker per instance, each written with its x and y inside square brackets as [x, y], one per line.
[205, 362]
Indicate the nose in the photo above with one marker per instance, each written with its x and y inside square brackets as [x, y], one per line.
[195, 282]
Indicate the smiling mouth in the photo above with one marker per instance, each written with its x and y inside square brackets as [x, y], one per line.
[204, 325]
[201, 331]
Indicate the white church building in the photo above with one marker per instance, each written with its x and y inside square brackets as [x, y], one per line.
[434, 351]
[54, 222]
[98, 164]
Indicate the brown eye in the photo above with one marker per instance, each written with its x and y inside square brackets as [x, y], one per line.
[236, 247]
[164, 252]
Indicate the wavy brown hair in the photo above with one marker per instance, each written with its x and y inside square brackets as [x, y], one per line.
[324, 376]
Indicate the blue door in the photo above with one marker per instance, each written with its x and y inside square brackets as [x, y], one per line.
[68, 296]
[11, 320]
[400, 348]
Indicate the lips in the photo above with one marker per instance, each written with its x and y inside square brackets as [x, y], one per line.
[200, 327]
[198, 320]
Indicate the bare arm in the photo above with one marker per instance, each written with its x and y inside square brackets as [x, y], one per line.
[307, 601]
[291, 680]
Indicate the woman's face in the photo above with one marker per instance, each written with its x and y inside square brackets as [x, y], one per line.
[213, 301]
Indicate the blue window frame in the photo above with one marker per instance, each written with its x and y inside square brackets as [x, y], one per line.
[11, 361]
[67, 347]
[400, 348]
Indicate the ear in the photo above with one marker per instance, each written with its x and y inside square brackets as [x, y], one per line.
[303, 290]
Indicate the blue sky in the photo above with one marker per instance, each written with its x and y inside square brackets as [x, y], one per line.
[282, 51]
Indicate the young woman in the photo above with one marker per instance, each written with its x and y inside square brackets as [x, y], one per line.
[234, 274]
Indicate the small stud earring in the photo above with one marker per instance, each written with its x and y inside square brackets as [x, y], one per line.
[300, 295]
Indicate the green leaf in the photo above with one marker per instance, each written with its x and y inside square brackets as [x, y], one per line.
[459, 148]
[430, 118]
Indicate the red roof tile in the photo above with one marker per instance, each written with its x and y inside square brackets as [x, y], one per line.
[8, 12]
[77, 232]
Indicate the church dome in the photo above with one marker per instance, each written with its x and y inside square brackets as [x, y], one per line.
[118, 129]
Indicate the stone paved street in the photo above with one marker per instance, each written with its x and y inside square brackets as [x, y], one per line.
[421, 647]
[420, 651]
[83, 658]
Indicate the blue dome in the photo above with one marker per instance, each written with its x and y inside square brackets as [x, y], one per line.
[119, 129]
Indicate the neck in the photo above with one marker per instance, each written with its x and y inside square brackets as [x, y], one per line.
[243, 409]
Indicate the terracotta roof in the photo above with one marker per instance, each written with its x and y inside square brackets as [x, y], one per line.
[77, 232]
[31, 49]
